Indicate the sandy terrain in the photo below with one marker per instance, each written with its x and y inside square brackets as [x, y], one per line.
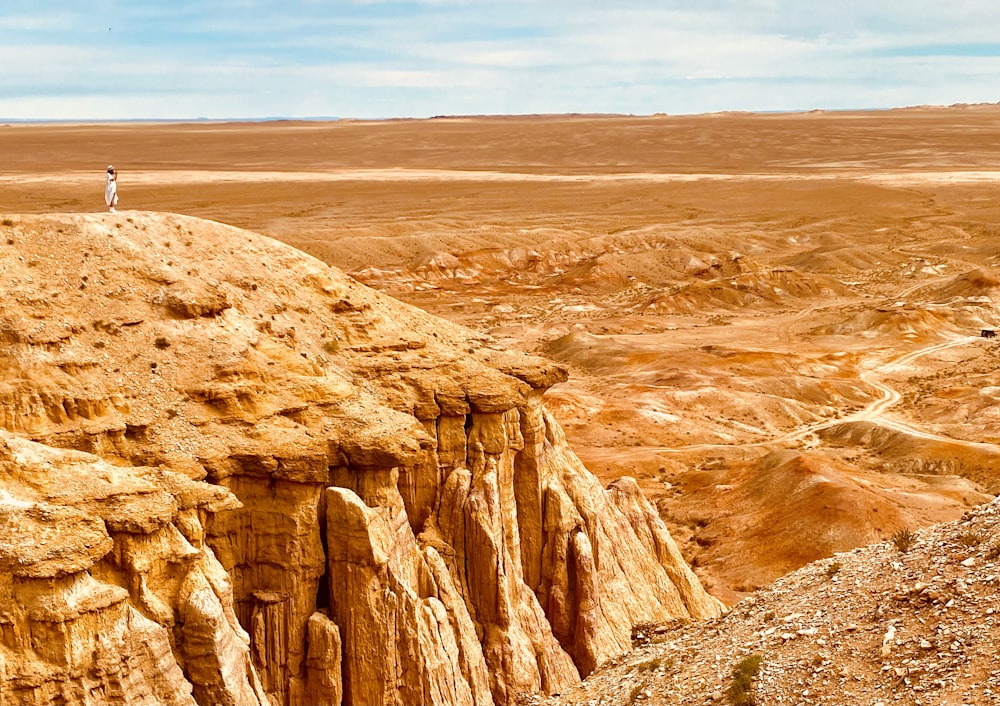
[771, 320]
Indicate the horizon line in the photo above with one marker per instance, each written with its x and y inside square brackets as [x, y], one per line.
[466, 116]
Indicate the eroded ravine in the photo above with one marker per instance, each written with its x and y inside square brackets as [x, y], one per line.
[258, 482]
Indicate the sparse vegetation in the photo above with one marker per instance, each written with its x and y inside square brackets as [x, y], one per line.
[904, 539]
[653, 664]
[99, 344]
[637, 690]
[993, 553]
[741, 690]
[161, 343]
[833, 569]
[970, 538]
[8, 222]
[331, 346]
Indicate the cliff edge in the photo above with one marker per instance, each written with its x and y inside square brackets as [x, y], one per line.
[231, 474]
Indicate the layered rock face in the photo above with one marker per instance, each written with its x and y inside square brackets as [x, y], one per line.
[343, 499]
[110, 594]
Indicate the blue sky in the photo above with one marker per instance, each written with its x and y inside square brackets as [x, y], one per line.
[105, 59]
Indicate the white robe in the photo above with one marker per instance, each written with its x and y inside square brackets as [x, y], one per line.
[111, 191]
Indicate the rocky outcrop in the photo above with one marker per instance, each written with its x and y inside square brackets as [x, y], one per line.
[110, 594]
[345, 499]
[915, 619]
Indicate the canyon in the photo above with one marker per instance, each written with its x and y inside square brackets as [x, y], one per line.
[772, 323]
[233, 475]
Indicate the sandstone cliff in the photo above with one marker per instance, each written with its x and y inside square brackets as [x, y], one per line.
[296, 491]
[109, 592]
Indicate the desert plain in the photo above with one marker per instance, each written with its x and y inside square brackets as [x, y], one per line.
[774, 322]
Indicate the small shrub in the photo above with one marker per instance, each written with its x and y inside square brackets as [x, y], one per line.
[993, 553]
[970, 538]
[833, 569]
[161, 343]
[99, 344]
[8, 222]
[636, 692]
[904, 539]
[331, 346]
[741, 691]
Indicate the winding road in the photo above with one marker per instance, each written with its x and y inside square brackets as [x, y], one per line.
[875, 412]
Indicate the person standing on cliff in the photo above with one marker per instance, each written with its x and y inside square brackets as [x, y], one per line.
[111, 189]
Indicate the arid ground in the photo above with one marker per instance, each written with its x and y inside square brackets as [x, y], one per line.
[772, 321]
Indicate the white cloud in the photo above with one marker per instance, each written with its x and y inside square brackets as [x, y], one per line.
[376, 58]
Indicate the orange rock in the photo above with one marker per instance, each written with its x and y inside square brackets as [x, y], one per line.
[309, 492]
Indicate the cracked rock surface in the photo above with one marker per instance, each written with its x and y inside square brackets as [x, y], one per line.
[231, 474]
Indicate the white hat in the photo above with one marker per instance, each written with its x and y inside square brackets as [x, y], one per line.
[111, 168]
